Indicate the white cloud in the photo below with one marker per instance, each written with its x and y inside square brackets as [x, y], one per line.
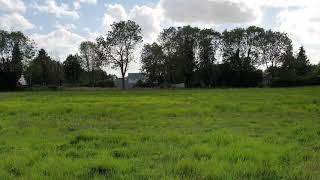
[148, 18]
[302, 25]
[210, 11]
[288, 3]
[59, 43]
[77, 3]
[62, 10]
[114, 13]
[15, 22]
[65, 26]
[301, 20]
[88, 1]
[12, 6]
[202, 13]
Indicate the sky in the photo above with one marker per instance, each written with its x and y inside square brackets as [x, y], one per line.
[59, 26]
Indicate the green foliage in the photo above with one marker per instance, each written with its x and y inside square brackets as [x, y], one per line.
[295, 71]
[118, 45]
[73, 69]
[302, 63]
[44, 71]
[15, 50]
[209, 44]
[12, 70]
[185, 54]
[168, 134]
[105, 83]
[152, 59]
[91, 60]
[189, 55]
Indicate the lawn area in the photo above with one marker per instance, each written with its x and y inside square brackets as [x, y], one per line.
[161, 134]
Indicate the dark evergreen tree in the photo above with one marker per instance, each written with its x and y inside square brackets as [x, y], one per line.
[15, 67]
[44, 71]
[302, 62]
[73, 69]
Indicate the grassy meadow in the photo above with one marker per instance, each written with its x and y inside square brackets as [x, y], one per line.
[161, 134]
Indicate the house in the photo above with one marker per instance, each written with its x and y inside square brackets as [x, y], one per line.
[131, 80]
[134, 78]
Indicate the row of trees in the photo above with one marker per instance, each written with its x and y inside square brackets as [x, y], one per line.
[79, 70]
[207, 58]
[189, 55]
[115, 49]
[18, 57]
[295, 70]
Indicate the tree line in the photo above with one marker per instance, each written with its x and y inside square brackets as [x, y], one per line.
[241, 57]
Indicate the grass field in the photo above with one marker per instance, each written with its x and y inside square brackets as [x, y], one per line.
[153, 134]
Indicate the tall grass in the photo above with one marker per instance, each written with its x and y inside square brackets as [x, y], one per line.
[169, 134]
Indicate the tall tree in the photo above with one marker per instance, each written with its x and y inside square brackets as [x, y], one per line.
[246, 42]
[16, 64]
[209, 44]
[253, 42]
[233, 44]
[288, 60]
[15, 50]
[169, 43]
[42, 70]
[275, 46]
[241, 51]
[302, 63]
[91, 59]
[285, 74]
[118, 45]
[187, 44]
[72, 68]
[152, 60]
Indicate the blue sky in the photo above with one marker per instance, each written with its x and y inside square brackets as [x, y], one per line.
[60, 25]
[90, 15]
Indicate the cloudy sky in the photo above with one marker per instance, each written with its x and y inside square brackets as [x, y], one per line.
[60, 25]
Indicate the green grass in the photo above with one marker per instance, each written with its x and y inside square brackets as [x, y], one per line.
[153, 134]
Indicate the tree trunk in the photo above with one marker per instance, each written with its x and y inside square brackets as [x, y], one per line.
[123, 84]
[123, 81]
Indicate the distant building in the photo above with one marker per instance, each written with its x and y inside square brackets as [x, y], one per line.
[118, 83]
[134, 78]
[181, 85]
[131, 80]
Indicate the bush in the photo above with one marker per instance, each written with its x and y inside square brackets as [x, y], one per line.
[296, 81]
[104, 83]
[141, 84]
